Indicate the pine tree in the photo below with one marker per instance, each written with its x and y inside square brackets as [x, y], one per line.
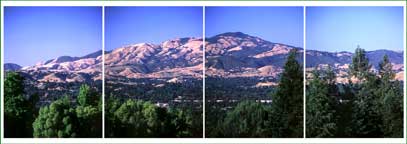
[391, 97]
[360, 66]
[19, 112]
[89, 112]
[87, 96]
[112, 123]
[287, 106]
[366, 116]
[321, 120]
[57, 120]
[90, 121]
[247, 119]
[133, 123]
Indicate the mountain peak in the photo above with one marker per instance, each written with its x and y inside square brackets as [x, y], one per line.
[234, 34]
[11, 67]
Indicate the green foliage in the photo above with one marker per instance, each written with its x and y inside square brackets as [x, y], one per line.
[87, 96]
[360, 66]
[56, 120]
[112, 124]
[62, 119]
[370, 108]
[248, 119]
[89, 120]
[19, 112]
[137, 118]
[390, 101]
[321, 120]
[385, 70]
[392, 112]
[89, 112]
[282, 119]
[288, 101]
[131, 115]
[366, 117]
[185, 123]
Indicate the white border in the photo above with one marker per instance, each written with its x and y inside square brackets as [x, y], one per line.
[203, 74]
[200, 3]
[103, 71]
[304, 68]
[2, 73]
[203, 3]
[404, 87]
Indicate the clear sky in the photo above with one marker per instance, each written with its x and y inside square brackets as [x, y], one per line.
[274, 24]
[34, 34]
[131, 25]
[343, 28]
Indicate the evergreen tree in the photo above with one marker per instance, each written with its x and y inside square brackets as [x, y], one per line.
[19, 112]
[248, 119]
[90, 121]
[87, 96]
[89, 112]
[366, 116]
[133, 123]
[112, 123]
[321, 120]
[386, 70]
[391, 100]
[183, 123]
[287, 103]
[360, 66]
[56, 120]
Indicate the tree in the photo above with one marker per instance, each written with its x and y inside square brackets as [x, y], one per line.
[184, 123]
[89, 120]
[89, 112]
[133, 123]
[287, 103]
[392, 112]
[366, 116]
[391, 100]
[19, 112]
[321, 120]
[360, 66]
[87, 96]
[247, 119]
[386, 70]
[112, 123]
[56, 120]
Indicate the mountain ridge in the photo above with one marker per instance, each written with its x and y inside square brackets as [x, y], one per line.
[231, 54]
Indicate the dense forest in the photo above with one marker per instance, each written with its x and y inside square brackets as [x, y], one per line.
[370, 105]
[143, 119]
[148, 107]
[239, 111]
[64, 117]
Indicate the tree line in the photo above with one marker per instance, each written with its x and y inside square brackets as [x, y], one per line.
[370, 105]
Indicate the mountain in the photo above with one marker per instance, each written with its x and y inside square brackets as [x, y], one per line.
[235, 54]
[231, 54]
[88, 63]
[180, 57]
[315, 58]
[11, 67]
[63, 69]
[340, 62]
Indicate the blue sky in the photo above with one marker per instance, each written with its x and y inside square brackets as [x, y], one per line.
[275, 24]
[343, 28]
[34, 34]
[131, 25]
